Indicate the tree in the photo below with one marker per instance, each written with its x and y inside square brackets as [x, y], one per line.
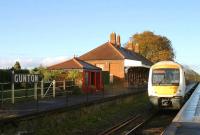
[46, 74]
[154, 47]
[73, 74]
[17, 66]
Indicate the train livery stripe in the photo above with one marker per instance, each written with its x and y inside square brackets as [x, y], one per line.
[165, 90]
[166, 66]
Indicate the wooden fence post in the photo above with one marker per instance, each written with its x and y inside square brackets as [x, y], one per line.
[42, 89]
[35, 91]
[64, 85]
[54, 88]
[13, 92]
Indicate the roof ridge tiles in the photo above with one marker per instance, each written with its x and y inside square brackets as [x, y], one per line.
[116, 50]
[75, 59]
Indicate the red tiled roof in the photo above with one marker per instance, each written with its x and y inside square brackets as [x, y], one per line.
[74, 63]
[108, 51]
[103, 52]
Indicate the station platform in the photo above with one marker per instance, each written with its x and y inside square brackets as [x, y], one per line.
[187, 121]
[32, 108]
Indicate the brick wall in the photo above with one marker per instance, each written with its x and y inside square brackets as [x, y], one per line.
[115, 67]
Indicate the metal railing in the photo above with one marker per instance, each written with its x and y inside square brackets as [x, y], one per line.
[38, 94]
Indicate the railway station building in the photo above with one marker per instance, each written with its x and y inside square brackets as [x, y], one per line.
[90, 76]
[124, 65]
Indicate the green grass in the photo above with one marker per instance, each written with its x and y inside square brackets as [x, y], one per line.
[87, 120]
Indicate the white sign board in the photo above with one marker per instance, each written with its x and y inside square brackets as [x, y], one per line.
[25, 78]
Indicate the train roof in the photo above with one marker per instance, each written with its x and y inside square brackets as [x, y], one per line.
[167, 63]
[186, 69]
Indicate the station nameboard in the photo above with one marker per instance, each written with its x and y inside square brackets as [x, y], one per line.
[25, 78]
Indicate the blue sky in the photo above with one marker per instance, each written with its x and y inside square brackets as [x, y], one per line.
[47, 31]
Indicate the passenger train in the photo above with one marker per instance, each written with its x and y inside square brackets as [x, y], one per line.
[169, 84]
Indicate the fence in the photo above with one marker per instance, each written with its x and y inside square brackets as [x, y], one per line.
[43, 95]
[10, 92]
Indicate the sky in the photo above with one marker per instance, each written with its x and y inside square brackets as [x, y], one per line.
[45, 32]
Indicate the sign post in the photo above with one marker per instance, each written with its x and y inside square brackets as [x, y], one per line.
[24, 78]
[13, 89]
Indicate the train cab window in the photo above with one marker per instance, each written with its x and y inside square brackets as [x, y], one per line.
[166, 77]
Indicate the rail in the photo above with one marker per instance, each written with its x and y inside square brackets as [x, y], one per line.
[136, 122]
[119, 126]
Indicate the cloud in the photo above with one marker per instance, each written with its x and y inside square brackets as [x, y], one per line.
[50, 61]
[29, 63]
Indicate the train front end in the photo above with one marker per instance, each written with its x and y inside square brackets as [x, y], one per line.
[166, 85]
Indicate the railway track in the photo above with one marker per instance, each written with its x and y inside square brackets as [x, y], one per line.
[137, 125]
[129, 126]
[157, 123]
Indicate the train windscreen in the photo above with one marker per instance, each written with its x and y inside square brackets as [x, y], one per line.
[166, 77]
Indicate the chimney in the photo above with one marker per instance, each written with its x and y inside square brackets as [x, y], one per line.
[118, 41]
[113, 38]
[136, 48]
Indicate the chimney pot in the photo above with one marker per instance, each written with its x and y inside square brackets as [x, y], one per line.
[113, 38]
[118, 41]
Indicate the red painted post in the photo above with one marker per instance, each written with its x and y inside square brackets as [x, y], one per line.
[95, 80]
[89, 82]
[100, 80]
[83, 81]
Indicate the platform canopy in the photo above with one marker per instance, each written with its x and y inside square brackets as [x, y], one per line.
[134, 63]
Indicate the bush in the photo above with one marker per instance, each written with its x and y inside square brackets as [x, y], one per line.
[5, 76]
